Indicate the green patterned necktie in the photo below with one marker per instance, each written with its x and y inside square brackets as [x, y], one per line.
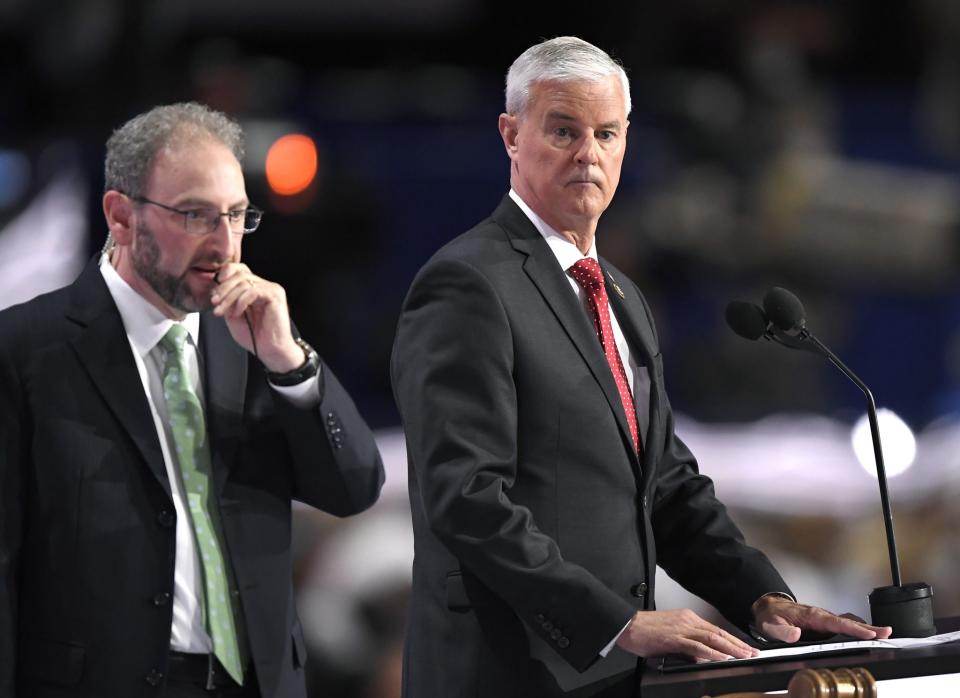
[193, 454]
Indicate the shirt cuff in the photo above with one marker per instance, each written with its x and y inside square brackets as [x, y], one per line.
[305, 395]
[606, 650]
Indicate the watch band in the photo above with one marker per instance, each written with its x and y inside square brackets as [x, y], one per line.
[308, 369]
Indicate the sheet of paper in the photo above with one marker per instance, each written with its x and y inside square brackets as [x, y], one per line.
[902, 642]
[941, 639]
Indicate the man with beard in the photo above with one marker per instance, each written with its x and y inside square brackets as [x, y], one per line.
[147, 460]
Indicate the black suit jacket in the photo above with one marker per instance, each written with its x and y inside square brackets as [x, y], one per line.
[87, 524]
[537, 528]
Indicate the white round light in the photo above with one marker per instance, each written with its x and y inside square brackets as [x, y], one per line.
[897, 439]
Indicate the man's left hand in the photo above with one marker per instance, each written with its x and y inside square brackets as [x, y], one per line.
[780, 618]
[239, 292]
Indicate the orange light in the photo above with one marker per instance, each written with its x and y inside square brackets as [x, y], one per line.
[291, 164]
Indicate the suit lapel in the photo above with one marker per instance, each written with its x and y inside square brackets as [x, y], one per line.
[224, 385]
[104, 352]
[542, 268]
[629, 309]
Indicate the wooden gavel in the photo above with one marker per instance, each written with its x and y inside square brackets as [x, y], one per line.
[824, 683]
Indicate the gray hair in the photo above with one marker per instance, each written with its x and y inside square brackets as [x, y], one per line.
[133, 147]
[564, 59]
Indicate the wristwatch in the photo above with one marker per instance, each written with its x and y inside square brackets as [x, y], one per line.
[308, 369]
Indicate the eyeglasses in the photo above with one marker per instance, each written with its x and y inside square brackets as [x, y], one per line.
[203, 221]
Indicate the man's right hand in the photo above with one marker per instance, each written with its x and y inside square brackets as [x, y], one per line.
[680, 631]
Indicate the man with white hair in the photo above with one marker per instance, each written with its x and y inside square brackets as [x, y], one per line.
[546, 481]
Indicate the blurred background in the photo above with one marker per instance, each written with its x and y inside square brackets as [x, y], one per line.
[811, 144]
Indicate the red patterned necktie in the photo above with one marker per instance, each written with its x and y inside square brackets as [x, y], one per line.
[588, 274]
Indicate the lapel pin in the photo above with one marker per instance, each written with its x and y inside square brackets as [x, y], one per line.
[615, 287]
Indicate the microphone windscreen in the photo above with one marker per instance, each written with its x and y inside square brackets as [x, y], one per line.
[784, 309]
[746, 319]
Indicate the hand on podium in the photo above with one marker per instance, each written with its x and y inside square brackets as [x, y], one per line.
[680, 631]
[777, 617]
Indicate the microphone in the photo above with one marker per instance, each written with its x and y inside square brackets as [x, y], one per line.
[747, 320]
[907, 608]
[750, 322]
[784, 310]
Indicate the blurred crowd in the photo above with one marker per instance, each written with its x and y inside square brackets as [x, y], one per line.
[808, 144]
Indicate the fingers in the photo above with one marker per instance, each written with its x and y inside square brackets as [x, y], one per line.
[653, 633]
[711, 646]
[778, 617]
[719, 644]
[824, 621]
[232, 269]
[234, 301]
[237, 289]
[852, 616]
[858, 629]
[882, 631]
[781, 619]
[266, 329]
[783, 632]
[700, 652]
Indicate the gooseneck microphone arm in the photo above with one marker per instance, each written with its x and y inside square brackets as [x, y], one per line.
[787, 317]
[908, 609]
[877, 449]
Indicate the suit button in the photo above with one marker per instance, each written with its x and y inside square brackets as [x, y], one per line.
[639, 590]
[154, 677]
[166, 518]
[539, 618]
[161, 599]
[644, 501]
[547, 626]
[563, 643]
[556, 634]
[331, 419]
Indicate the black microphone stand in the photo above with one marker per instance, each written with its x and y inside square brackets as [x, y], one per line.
[908, 609]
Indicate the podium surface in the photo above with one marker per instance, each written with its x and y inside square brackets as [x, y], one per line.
[883, 663]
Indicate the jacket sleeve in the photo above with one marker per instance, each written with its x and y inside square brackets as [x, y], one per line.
[698, 543]
[336, 463]
[11, 498]
[452, 371]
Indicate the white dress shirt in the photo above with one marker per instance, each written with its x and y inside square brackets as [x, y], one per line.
[567, 255]
[145, 326]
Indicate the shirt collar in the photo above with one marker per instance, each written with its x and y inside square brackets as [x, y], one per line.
[144, 322]
[566, 252]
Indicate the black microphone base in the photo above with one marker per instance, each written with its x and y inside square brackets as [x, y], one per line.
[908, 609]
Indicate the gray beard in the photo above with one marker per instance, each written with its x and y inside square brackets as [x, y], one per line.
[173, 290]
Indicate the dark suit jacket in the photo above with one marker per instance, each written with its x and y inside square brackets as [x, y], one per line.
[537, 529]
[87, 524]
